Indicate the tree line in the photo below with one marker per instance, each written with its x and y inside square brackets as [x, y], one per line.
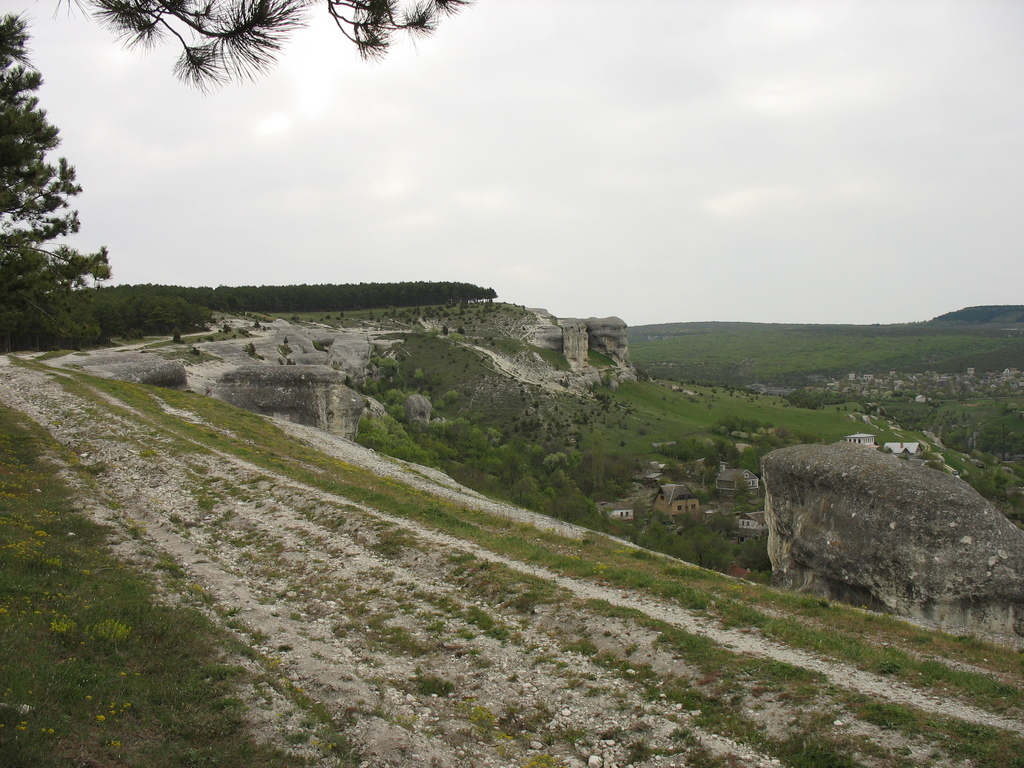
[315, 298]
[99, 314]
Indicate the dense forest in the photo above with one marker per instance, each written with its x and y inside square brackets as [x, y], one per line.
[96, 315]
[313, 298]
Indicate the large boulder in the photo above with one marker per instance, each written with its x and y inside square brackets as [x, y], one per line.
[417, 409]
[375, 408]
[314, 395]
[851, 523]
[350, 353]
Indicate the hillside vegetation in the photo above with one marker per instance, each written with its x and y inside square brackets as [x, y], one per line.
[356, 611]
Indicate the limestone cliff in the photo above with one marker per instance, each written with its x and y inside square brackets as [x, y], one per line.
[850, 523]
[575, 338]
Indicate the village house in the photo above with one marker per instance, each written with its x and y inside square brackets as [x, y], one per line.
[862, 438]
[904, 450]
[653, 473]
[731, 480]
[616, 510]
[750, 525]
[675, 500]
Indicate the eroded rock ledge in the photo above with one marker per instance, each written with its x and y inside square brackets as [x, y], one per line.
[853, 524]
[137, 368]
[574, 337]
[314, 395]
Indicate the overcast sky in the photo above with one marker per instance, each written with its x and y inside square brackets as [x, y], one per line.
[659, 160]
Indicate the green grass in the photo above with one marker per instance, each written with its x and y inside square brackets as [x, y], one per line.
[95, 670]
[984, 747]
[658, 414]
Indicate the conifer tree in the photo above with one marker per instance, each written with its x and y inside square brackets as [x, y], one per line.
[37, 278]
[222, 40]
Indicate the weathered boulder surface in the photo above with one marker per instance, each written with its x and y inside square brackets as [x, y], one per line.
[350, 353]
[608, 336]
[138, 368]
[548, 337]
[313, 395]
[374, 407]
[856, 525]
[310, 358]
[417, 409]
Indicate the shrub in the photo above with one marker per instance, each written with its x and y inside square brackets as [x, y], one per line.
[428, 685]
[110, 630]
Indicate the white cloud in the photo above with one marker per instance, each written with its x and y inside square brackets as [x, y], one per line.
[745, 201]
[273, 125]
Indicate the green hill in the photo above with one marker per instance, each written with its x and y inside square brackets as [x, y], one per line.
[739, 354]
[1002, 314]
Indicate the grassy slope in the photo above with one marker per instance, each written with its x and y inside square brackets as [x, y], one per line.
[95, 670]
[671, 415]
[741, 353]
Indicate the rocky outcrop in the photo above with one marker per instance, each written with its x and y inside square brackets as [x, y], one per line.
[853, 524]
[548, 337]
[575, 338]
[575, 343]
[417, 409]
[138, 368]
[313, 395]
[607, 335]
[310, 358]
[350, 353]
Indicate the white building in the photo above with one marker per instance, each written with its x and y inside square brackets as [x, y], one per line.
[862, 438]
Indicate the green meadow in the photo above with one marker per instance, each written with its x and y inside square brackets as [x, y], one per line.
[743, 353]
